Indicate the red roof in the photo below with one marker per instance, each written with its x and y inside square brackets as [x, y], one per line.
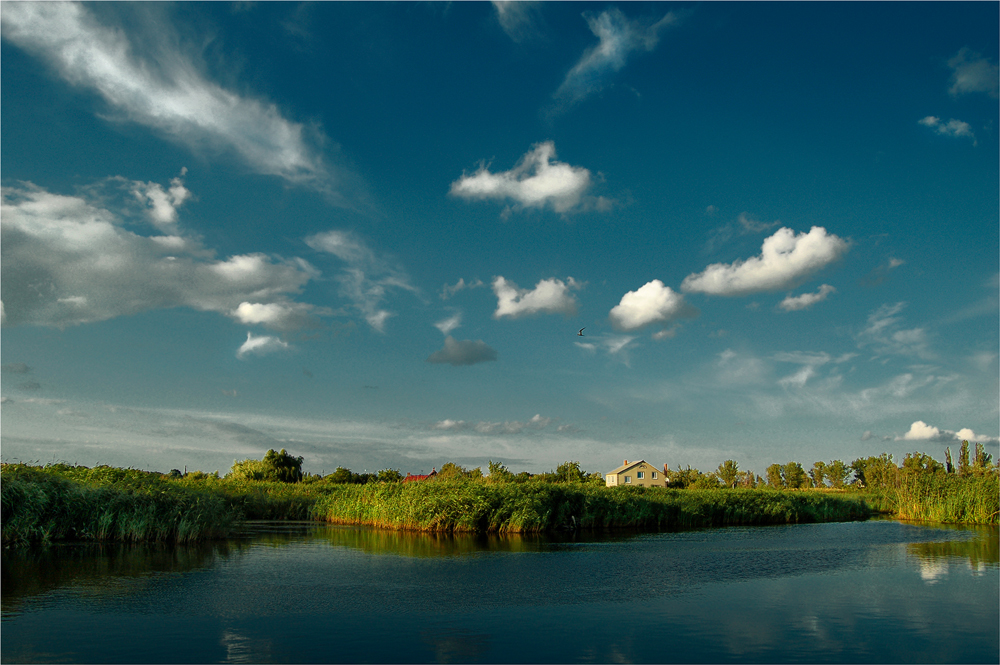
[411, 478]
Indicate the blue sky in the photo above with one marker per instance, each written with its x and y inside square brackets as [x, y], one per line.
[370, 233]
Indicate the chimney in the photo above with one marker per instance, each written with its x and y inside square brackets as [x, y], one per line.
[666, 469]
[625, 463]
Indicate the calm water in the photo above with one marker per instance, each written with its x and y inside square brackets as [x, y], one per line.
[876, 591]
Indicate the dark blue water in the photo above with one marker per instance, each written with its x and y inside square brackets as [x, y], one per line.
[877, 591]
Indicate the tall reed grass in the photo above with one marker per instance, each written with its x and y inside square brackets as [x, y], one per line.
[104, 504]
[940, 497]
[468, 506]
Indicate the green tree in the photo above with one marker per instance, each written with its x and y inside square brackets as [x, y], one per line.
[774, 477]
[837, 472]
[875, 472]
[287, 469]
[569, 472]
[706, 481]
[964, 468]
[499, 473]
[794, 475]
[818, 474]
[683, 478]
[389, 476]
[948, 466]
[981, 461]
[920, 463]
[729, 472]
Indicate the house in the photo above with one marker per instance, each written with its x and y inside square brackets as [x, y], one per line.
[640, 473]
[411, 478]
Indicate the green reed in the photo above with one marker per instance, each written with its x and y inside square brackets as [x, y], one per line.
[940, 497]
[61, 502]
[532, 507]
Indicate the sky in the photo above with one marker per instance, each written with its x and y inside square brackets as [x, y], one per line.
[389, 235]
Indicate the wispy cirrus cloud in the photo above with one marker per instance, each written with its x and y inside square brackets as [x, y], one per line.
[69, 260]
[367, 277]
[537, 181]
[155, 84]
[618, 39]
[885, 335]
[786, 259]
[518, 19]
[550, 296]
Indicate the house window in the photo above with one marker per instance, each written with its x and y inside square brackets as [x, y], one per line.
[628, 479]
[654, 475]
[639, 475]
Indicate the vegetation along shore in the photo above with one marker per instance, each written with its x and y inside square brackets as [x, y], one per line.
[58, 502]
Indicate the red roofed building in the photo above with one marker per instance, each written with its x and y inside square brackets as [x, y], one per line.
[410, 478]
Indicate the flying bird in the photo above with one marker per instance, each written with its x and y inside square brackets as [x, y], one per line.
[581, 331]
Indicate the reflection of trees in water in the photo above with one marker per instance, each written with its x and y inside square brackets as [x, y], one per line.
[979, 551]
[29, 572]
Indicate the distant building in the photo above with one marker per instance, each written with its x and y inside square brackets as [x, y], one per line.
[410, 478]
[640, 473]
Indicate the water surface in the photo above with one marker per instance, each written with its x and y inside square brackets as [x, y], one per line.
[876, 591]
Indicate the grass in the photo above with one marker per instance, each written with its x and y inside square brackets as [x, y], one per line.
[941, 498]
[468, 506]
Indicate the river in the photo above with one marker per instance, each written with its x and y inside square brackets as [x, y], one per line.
[874, 591]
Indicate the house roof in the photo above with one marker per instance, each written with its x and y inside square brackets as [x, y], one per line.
[411, 478]
[626, 467]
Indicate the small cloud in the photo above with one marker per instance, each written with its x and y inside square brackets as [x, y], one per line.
[881, 272]
[260, 345]
[229, 393]
[283, 315]
[953, 128]
[806, 300]
[921, 431]
[518, 19]
[786, 259]
[449, 324]
[971, 72]
[711, 210]
[618, 39]
[653, 303]
[550, 296]
[15, 368]
[535, 182]
[451, 289]
[867, 435]
[463, 352]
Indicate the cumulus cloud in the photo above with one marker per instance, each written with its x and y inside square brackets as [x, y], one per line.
[366, 278]
[463, 352]
[806, 300]
[971, 72]
[954, 128]
[786, 259]
[281, 315]
[260, 345]
[618, 39]
[537, 181]
[68, 260]
[550, 296]
[653, 303]
[921, 431]
[152, 83]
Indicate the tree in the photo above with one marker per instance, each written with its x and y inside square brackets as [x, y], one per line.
[948, 466]
[729, 472]
[981, 462]
[818, 474]
[774, 478]
[389, 476]
[873, 472]
[682, 478]
[499, 473]
[964, 468]
[837, 472]
[706, 481]
[920, 463]
[795, 476]
[287, 469]
[569, 472]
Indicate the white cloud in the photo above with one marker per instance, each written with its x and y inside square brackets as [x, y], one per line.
[973, 73]
[619, 38]
[921, 431]
[954, 128]
[463, 352]
[550, 296]
[449, 324]
[162, 204]
[786, 259]
[163, 89]
[68, 260]
[535, 423]
[518, 18]
[281, 315]
[367, 277]
[451, 289]
[793, 304]
[885, 335]
[652, 303]
[535, 182]
[260, 345]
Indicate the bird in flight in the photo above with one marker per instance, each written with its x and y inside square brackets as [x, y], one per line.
[581, 331]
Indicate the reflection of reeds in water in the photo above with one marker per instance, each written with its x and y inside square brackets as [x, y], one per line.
[26, 573]
[979, 552]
